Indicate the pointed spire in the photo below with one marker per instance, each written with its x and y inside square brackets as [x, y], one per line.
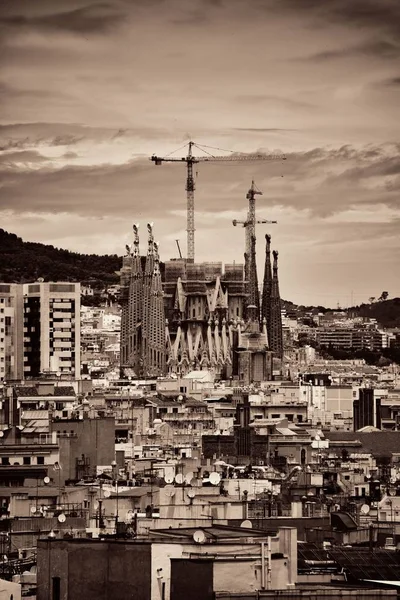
[266, 294]
[154, 332]
[275, 331]
[135, 306]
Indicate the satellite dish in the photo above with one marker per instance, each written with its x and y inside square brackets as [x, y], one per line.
[46, 480]
[179, 478]
[106, 493]
[392, 491]
[188, 477]
[33, 510]
[1, 434]
[364, 509]
[199, 536]
[247, 524]
[215, 478]
[169, 479]
[191, 493]
[169, 491]
[61, 518]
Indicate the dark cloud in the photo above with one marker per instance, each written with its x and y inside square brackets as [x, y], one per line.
[70, 155]
[391, 82]
[371, 14]
[25, 135]
[324, 181]
[93, 18]
[381, 49]
[13, 159]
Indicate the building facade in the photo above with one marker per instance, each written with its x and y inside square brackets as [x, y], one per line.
[51, 328]
[196, 316]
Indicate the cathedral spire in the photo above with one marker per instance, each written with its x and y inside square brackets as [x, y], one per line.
[266, 293]
[155, 356]
[275, 333]
[135, 309]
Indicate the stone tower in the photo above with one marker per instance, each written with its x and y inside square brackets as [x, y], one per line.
[155, 355]
[142, 318]
[266, 293]
[275, 317]
[135, 313]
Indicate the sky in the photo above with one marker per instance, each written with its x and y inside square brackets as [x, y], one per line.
[89, 90]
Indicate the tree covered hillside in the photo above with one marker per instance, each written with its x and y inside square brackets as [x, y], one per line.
[21, 262]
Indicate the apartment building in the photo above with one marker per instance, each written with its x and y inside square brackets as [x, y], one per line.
[51, 328]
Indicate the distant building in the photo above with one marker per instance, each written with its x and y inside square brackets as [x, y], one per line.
[366, 410]
[11, 331]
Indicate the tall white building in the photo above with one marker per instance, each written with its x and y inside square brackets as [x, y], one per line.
[51, 328]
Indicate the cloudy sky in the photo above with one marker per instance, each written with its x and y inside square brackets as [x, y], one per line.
[89, 90]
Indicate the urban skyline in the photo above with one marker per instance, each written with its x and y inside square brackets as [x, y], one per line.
[91, 90]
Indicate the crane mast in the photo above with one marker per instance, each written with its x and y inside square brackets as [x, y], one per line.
[190, 187]
[250, 224]
[190, 160]
[250, 267]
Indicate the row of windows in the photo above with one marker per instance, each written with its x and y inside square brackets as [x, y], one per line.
[27, 460]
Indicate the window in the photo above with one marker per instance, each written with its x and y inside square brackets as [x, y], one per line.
[5, 460]
[40, 460]
[275, 416]
[27, 460]
[56, 589]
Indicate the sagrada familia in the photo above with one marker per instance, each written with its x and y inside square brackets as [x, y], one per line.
[181, 316]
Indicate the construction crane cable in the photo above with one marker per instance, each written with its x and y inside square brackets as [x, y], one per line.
[214, 148]
[177, 150]
[205, 151]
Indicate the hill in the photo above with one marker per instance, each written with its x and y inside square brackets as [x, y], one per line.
[386, 312]
[21, 262]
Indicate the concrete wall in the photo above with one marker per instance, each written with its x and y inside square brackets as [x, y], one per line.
[9, 590]
[94, 570]
[161, 555]
[93, 438]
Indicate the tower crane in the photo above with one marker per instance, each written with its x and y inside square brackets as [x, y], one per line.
[250, 223]
[191, 160]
